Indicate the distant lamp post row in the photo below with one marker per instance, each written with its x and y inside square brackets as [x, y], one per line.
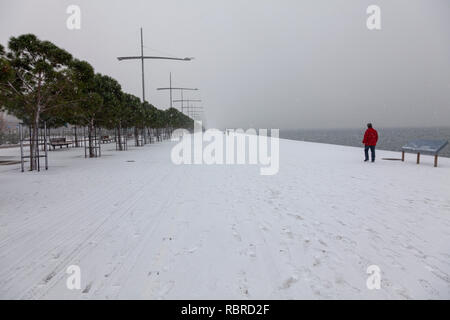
[188, 101]
[170, 88]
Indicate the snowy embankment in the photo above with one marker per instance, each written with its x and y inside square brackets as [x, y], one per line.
[149, 229]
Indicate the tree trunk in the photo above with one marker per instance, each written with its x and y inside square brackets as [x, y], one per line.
[90, 138]
[119, 136]
[136, 137]
[76, 138]
[34, 143]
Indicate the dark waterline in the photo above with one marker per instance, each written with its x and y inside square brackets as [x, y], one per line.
[389, 138]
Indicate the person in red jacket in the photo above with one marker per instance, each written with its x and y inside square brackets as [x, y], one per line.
[370, 141]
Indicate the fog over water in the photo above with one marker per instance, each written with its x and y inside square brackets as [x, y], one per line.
[265, 63]
[389, 138]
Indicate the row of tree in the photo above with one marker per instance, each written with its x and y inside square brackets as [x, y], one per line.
[42, 82]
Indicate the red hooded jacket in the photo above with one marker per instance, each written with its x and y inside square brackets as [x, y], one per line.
[370, 137]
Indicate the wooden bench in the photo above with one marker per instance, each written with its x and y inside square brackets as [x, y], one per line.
[107, 139]
[431, 147]
[55, 142]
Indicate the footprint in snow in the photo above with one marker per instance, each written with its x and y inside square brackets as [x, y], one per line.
[243, 283]
[289, 282]
[165, 289]
[192, 250]
[323, 243]
[428, 287]
[236, 234]
[316, 262]
[297, 216]
[87, 288]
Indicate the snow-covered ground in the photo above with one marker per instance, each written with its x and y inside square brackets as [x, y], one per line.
[149, 229]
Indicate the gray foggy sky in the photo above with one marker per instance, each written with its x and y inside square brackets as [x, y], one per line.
[265, 63]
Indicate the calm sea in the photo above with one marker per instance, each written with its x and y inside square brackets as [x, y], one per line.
[389, 138]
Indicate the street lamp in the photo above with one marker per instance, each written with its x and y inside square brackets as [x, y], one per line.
[142, 58]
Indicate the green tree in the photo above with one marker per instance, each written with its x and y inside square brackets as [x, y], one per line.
[114, 114]
[135, 111]
[150, 114]
[36, 80]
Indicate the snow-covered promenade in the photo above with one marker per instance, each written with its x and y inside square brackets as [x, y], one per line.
[141, 227]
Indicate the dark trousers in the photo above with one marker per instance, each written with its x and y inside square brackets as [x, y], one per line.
[366, 152]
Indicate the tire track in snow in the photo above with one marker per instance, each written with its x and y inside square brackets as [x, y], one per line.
[97, 236]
